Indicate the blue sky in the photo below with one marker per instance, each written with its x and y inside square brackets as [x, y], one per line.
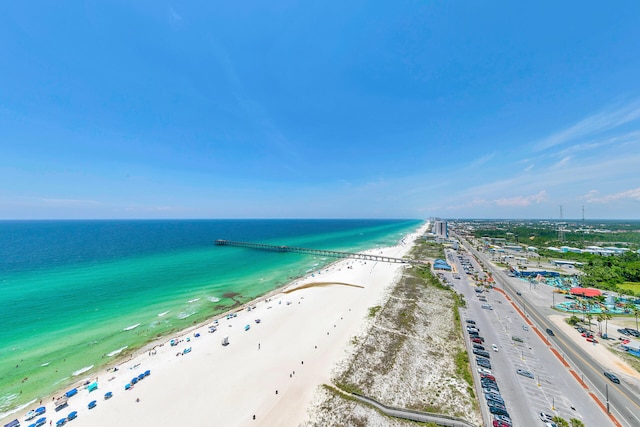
[332, 109]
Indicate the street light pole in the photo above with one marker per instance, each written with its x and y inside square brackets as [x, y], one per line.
[606, 388]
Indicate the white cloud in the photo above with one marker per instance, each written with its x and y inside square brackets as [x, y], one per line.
[528, 168]
[605, 120]
[523, 201]
[176, 18]
[593, 196]
[563, 162]
[482, 160]
[68, 202]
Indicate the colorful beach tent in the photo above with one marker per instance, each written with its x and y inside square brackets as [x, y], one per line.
[14, 423]
[586, 292]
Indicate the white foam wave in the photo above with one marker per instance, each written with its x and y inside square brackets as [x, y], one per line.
[128, 328]
[214, 299]
[82, 371]
[118, 351]
[45, 364]
[194, 300]
[185, 314]
[6, 401]
[163, 313]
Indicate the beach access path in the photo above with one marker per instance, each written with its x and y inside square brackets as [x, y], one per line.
[270, 371]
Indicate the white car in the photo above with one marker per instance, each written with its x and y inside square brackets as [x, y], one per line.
[484, 371]
[494, 347]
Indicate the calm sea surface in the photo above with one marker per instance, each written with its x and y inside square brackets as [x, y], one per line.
[75, 295]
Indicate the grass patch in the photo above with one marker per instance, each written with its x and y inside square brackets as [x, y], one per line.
[374, 310]
[462, 367]
[630, 286]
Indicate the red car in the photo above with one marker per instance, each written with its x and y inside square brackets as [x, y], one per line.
[476, 340]
[497, 423]
[592, 339]
[489, 377]
[587, 334]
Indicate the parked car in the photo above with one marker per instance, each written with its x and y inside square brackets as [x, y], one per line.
[476, 340]
[612, 377]
[525, 328]
[506, 421]
[498, 411]
[489, 397]
[473, 322]
[478, 346]
[592, 339]
[487, 376]
[545, 417]
[481, 361]
[517, 338]
[483, 371]
[524, 373]
[481, 353]
[487, 306]
[494, 347]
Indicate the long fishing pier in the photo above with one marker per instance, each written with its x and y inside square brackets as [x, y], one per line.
[320, 252]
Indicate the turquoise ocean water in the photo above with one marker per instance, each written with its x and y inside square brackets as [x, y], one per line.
[81, 294]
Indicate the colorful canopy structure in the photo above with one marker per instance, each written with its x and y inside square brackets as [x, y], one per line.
[586, 292]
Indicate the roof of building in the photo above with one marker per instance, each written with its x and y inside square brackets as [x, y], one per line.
[586, 292]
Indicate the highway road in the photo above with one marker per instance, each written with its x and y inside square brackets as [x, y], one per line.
[623, 401]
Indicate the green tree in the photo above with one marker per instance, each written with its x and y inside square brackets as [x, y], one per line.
[576, 422]
[633, 309]
[599, 319]
[607, 316]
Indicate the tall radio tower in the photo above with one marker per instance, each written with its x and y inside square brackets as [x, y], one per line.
[560, 229]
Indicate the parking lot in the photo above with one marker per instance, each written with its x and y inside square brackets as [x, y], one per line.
[552, 389]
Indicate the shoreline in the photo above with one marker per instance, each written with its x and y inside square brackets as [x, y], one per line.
[108, 376]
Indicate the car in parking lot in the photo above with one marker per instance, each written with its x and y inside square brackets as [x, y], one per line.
[506, 421]
[485, 363]
[473, 322]
[478, 346]
[487, 376]
[502, 418]
[494, 347]
[545, 417]
[612, 377]
[476, 340]
[592, 339]
[483, 371]
[550, 332]
[525, 328]
[498, 411]
[517, 338]
[518, 293]
[492, 391]
[524, 373]
[487, 306]
[494, 397]
[472, 329]
[490, 385]
[481, 353]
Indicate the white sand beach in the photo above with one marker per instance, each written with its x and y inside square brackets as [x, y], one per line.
[270, 371]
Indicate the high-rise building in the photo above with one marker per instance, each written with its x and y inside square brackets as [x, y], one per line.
[440, 229]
